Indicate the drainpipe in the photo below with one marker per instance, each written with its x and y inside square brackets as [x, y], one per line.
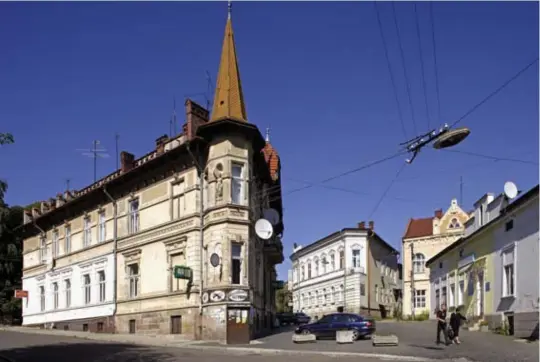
[115, 246]
[201, 224]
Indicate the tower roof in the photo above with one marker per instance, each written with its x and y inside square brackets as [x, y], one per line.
[228, 99]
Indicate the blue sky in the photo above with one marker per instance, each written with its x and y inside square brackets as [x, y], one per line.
[315, 72]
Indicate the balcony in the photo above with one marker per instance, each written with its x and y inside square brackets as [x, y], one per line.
[273, 250]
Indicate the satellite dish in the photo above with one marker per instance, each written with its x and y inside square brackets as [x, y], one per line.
[272, 216]
[264, 229]
[510, 189]
[451, 138]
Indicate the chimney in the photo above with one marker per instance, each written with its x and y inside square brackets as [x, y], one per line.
[52, 203]
[160, 144]
[44, 207]
[362, 225]
[196, 116]
[35, 212]
[439, 214]
[27, 216]
[68, 195]
[127, 161]
[371, 225]
[59, 200]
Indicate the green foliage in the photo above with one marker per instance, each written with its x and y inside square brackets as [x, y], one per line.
[283, 296]
[423, 316]
[6, 138]
[503, 330]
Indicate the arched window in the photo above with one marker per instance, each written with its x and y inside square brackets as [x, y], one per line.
[316, 262]
[341, 259]
[419, 262]
[309, 270]
[332, 261]
[302, 272]
[340, 293]
[333, 295]
[324, 261]
[454, 224]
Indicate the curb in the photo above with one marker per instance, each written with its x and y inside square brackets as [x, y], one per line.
[221, 349]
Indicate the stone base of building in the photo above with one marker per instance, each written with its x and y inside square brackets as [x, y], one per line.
[94, 325]
[520, 325]
[182, 321]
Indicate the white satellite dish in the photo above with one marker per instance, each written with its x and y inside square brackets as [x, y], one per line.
[271, 215]
[264, 229]
[510, 189]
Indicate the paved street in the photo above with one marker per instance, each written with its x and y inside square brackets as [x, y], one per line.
[418, 339]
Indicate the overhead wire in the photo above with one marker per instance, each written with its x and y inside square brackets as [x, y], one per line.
[495, 92]
[435, 60]
[424, 87]
[392, 79]
[383, 196]
[494, 158]
[407, 83]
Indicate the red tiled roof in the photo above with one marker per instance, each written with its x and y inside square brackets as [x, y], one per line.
[417, 228]
[272, 159]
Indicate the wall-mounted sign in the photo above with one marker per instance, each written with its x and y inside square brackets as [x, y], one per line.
[21, 293]
[205, 298]
[217, 296]
[238, 295]
[183, 272]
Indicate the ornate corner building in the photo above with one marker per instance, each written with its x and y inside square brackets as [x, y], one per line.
[104, 258]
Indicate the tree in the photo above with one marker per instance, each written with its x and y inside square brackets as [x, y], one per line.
[283, 298]
[6, 138]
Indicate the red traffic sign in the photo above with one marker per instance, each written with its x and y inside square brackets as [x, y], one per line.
[21, 293]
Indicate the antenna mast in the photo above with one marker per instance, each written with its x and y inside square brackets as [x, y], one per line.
[94, 153]
[67, 184]
[461, 191]
[116, 141]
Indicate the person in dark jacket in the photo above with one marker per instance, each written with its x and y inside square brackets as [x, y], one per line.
[441, 325]
[455, 322]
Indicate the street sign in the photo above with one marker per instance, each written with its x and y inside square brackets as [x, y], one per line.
[183, 272]
[21, 293]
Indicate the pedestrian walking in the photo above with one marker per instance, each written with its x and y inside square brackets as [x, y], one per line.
[455, 323]
[442, 326]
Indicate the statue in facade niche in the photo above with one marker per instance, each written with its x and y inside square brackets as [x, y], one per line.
[219, 188]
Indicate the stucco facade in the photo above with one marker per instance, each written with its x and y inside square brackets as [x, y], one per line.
[353, 269]
[423, 239]
[192, 202]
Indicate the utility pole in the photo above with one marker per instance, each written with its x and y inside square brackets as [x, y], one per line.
[461, 191]
[412, 279]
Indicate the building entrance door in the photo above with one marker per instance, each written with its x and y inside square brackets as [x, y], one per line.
[480, 295]
[238, 326]
[176, 324]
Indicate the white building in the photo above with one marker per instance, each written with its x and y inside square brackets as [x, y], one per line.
[353, 268]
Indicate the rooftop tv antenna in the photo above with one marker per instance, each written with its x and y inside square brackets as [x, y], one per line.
[67, 184]
[95, 153]
[116, 142]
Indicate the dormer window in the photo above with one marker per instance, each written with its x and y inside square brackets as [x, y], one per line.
[454, 224]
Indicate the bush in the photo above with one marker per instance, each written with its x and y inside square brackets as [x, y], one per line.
[423, 316]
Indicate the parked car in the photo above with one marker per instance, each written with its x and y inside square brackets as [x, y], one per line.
[286, 318]
[301, 318]
[327, 326]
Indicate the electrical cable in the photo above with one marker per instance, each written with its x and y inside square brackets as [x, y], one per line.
[386, 191]
[495, 92]
[392, 79]
[404, 66]
[435, 60]
[424, 87]
[494, 158]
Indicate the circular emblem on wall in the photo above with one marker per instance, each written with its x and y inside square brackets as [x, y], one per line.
[214, 260]
[217, 296]
[205, 298]
[238, 295]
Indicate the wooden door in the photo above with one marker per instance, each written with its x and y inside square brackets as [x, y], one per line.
[238, 326]
[132, 326]
[176, 324]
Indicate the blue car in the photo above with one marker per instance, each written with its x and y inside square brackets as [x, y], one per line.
[327, 326]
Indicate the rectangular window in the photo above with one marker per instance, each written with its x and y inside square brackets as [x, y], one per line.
[362, 289]
[179, 203]
[452, 296]
[376, 293]
[332, 262]
[237, 184]
[340, 293]
[236, 263]
[437, 298]
[102, 233]
[87, 286]
[302, 272]
[102, 285]
[43, 249]
[55, 244]
[67, 240]
[87, 233]
[420, 298]
[443, 295]
[341, 259]
[323, 265]
[67, 291]
[55, 295]
[133, 220]
[42, 298]
[133, 275]
[356, 258]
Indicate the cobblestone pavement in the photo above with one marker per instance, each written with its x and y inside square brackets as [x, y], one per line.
[26, 347]
[418, 339]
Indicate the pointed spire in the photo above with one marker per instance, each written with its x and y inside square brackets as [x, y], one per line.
[228, 99]
[267, 138]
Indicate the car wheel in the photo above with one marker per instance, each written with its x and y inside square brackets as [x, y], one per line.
[306, 331]
[355, 335]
